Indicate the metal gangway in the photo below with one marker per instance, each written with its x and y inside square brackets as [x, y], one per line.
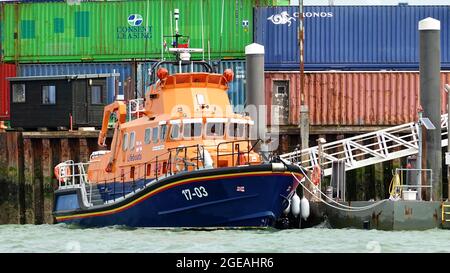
[366, 149]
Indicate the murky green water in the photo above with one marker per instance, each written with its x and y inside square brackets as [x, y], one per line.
[64, 238]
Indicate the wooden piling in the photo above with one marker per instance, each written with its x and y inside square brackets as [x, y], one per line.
[12, 202]
[83, 150]
[16, 179]
[38, 182]
[29, 162]
[48, 164]
[27, 181]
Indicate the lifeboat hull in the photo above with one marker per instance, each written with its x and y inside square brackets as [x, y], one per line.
[248, 196]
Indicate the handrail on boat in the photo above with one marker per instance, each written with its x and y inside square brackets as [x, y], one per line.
[73, 175]
[235, 145]
[169, 166]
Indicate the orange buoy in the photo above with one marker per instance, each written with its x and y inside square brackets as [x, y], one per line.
[228, 74]
[65, 172]
[162, 73]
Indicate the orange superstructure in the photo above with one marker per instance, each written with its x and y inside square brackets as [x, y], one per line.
[186, 123]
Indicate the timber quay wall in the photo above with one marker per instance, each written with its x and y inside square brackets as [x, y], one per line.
[27, 179]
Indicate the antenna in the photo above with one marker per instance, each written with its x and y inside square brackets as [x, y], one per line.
[176, 15]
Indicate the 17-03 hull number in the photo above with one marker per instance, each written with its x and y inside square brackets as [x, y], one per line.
[198, 192]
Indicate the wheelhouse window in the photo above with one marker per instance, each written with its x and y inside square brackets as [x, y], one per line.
[155, 135]
[132, 140]
[175, 131]
[48, 94]
[236, 130]
[163, 132]
[125, 142]
[18, 93]
[192, 130]
[148, 135]
[96, 94]
[215, 129]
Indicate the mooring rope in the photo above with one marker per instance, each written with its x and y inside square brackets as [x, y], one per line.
[349, 208]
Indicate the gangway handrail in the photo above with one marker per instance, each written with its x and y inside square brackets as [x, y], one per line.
[366, 149]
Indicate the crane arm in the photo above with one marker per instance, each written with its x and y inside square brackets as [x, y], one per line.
[121, 109]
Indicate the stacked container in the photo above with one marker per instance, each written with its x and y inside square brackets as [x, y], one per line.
[378, 46]
[50, 38]
[6, 71]
[122, 31]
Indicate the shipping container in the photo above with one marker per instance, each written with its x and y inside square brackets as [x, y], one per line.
[236, 91]
[123, 31]
[6, 71]
[347, 98]
[348, 37]
[125, 69]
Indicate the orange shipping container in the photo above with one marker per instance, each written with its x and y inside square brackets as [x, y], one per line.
[6, 71]
[347, 98]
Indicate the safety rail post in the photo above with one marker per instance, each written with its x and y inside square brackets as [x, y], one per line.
[169, 162]
[123, 186]
[156, 169]
[185, 159]
[145, 174]
[232, 154]
[218, 155]
[105, 188]
[248, 151]
[203, 156]
[238, 154]
[198, 155]
[114, 189]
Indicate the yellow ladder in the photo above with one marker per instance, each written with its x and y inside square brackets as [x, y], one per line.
[444, 213]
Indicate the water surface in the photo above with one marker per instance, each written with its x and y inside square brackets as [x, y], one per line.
[66, 238]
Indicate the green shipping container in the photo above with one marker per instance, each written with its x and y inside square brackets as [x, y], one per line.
[122, 31]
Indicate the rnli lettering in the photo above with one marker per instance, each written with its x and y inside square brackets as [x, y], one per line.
[133, 157]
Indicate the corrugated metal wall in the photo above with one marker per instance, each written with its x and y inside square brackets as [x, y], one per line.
[125, 70]
[6, 70]
[121, 31]
[236, 91]
[348, 37]
[353, 98]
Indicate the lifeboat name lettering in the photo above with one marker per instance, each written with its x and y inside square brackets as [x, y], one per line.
[197, 192]
[134, 157]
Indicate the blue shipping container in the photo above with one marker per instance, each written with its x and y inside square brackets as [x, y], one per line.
[124, 69]
[348, 37]
[236, 91]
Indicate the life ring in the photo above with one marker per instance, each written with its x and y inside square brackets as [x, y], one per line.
[65, 172]
[315, 176]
